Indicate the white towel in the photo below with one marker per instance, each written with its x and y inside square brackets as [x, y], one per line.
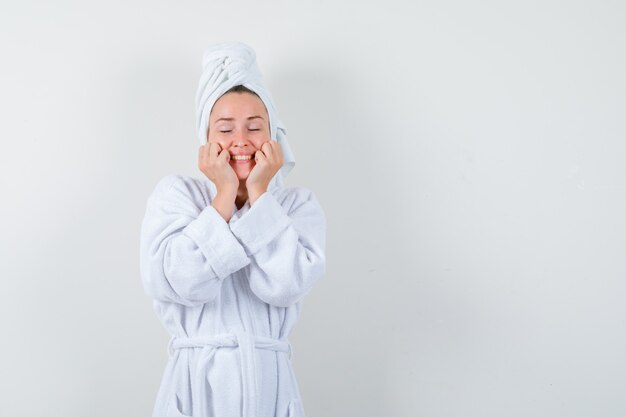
[225, 65]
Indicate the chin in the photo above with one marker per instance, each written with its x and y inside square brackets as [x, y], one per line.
[243, 175]
[242, 171]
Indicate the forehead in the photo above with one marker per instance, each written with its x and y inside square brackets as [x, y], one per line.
[238, 105]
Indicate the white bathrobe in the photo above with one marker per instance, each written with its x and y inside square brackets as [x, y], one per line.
[229, 295]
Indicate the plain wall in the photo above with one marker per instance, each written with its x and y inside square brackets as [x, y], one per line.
[469, 157]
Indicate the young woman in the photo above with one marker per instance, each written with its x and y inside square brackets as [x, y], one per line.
[229, 257]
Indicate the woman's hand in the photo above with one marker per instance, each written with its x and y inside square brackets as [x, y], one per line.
[269, 159]
[215, 164]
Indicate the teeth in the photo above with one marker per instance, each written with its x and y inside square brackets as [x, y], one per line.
[242, 157]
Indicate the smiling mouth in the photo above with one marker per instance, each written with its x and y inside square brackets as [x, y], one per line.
[241, 157]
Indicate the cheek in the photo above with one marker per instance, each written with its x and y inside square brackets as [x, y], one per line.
[219, 141]
[259, 141]
[213, 137]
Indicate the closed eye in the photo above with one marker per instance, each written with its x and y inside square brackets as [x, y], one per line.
[226, 131]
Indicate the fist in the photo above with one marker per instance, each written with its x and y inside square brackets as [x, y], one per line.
[269, 159]
[214, 162]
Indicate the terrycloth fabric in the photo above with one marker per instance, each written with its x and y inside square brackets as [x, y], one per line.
[225, 65]
[229, 295]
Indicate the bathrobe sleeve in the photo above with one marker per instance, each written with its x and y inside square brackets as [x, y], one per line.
[286, 246]
[187, 248]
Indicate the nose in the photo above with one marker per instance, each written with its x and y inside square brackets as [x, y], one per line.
[241, 138]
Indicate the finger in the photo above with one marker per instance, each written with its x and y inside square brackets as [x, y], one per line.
[267, 149]
[215, 150]
[224, 155]
[259, 156]
[270, 150]
[276, 148]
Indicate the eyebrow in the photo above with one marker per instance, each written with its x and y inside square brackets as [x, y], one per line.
[231, 118]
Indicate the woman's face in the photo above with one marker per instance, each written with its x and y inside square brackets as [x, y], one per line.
[240, 124]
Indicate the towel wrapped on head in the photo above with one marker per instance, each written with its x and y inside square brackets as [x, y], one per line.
[225, 65]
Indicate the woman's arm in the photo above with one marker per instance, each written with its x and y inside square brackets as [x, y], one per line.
[286, 246]
[186, 249]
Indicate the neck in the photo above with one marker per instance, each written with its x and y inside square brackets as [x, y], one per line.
[242, 194]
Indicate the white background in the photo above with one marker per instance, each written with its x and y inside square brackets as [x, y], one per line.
[469, 157]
